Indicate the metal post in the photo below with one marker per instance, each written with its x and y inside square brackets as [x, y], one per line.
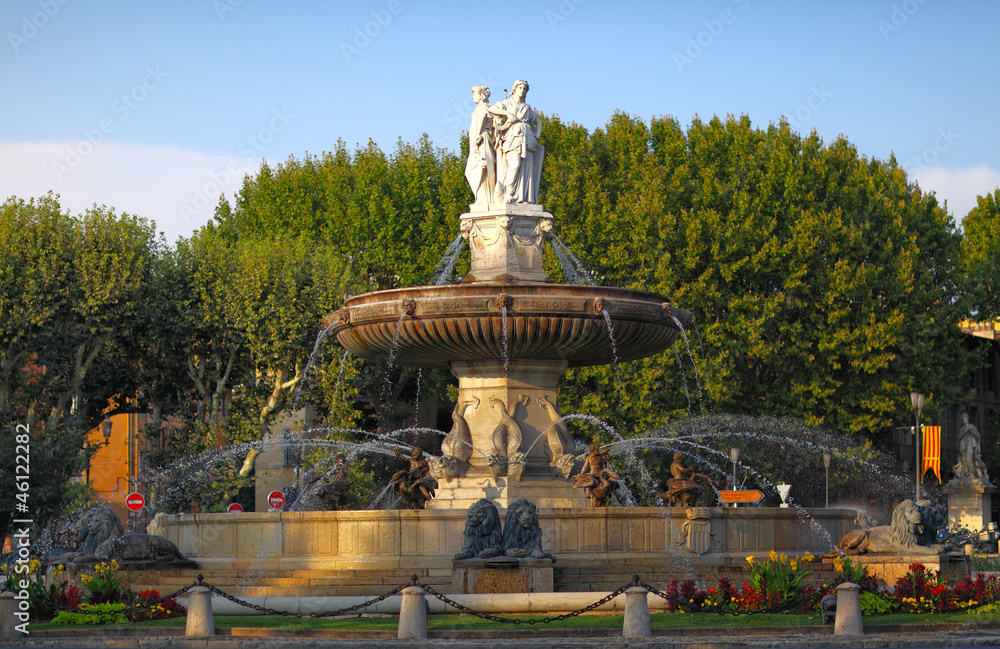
[917, 401]
[826, 464]
[735, 454]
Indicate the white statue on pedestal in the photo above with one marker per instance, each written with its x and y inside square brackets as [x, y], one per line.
[970, 464]
[480, 169]
[519, 155]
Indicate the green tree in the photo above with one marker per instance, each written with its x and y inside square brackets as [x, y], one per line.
[823, 283]
[981, 256]
[70, 290]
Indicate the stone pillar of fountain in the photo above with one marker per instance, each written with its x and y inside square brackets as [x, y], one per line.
[524, 384]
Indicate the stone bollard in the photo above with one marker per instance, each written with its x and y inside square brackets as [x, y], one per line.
[7, 619]
[199, 615]
[412, 615]
[636, 614]
[848, 621]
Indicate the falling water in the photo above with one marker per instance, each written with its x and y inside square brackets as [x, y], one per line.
[416, 401]
[309, 365]
[615, 365]
[442, 273]
[697, 377]
[340, 373]
[384, 406]
[680, 368]
[503, 342]
[572, 268]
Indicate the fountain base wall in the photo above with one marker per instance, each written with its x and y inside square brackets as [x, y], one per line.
[426, 540]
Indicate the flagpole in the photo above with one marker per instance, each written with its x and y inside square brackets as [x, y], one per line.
[917, 400]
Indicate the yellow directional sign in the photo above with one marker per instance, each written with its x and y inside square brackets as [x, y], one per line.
[747, 496]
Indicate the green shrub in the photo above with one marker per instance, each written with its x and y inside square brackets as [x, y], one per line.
[872, 604]
[94, 614]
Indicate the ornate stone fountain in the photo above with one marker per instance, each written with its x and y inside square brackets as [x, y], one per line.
[508, 332]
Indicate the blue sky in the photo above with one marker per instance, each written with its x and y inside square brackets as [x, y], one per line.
[155, 108]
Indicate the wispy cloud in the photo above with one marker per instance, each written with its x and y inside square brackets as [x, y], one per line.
[177, 189]
[958, 186]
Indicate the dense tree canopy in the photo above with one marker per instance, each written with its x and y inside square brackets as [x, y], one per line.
[981, 255]
[70, 289]
[824, 287]
[823, 283]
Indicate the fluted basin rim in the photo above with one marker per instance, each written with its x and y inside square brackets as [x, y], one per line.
[431, 326]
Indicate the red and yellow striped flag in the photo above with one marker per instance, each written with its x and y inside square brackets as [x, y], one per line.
[932, 451]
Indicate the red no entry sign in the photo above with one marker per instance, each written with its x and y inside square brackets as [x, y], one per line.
[234, 508]
[276, 499]
[135, 502]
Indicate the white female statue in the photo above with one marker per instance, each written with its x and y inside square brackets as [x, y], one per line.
[480, 169]
[970, 460]
[519, 155]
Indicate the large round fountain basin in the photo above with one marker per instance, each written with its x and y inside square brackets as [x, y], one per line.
[430, 326]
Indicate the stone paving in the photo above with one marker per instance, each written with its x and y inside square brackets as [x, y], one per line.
[701, 638]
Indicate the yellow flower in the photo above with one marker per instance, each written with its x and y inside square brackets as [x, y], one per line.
[114, 564]
[784, 558]
[772, 555]
[808, 557]
[86, 579]
[794, 564]
[750, 559]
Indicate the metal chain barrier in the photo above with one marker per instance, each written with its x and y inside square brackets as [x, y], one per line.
[508, 620]
[271, 611]
[414, 581]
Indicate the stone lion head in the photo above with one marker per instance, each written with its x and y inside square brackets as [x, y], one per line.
[522, 534]
[905, 524]
[483, 519]
[96, 527]
[482, 531]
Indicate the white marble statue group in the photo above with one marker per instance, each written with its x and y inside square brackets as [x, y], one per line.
[505, 158]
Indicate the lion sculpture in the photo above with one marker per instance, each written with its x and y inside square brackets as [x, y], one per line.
[483, 538]
[900, 536]
[143, 550]
[102, 538]
[522, 535]
[100, 524]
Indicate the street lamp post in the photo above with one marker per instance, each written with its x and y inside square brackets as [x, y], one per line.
[734, 453]
[917, 401]
[826, 464]
[106, 426]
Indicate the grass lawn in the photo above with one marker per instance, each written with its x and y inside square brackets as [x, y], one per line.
[467, 622]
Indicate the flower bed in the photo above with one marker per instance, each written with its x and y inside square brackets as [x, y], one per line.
[776, 585]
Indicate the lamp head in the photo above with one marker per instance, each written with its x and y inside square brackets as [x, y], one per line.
[826, 460]
[106, 429]
[734, 453]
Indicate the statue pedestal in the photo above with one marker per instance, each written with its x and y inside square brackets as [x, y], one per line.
[969, 503]
[545, 491]
[506, 242]
[502, 575]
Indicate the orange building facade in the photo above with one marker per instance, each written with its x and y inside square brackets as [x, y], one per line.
[114, 467]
